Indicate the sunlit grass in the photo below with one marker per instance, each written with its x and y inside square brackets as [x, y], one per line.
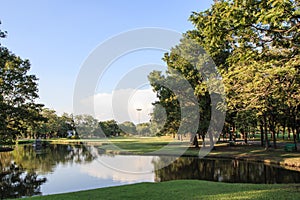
[186, 189]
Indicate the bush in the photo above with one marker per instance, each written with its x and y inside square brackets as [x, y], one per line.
[74, 137]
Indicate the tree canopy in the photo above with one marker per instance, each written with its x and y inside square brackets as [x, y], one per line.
[18, 92]
[255, 47]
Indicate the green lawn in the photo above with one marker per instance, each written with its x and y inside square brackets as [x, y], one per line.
[185, 189]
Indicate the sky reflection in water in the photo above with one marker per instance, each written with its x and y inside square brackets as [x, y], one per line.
[74, 177]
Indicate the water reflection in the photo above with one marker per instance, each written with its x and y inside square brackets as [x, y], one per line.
[24, 170]
[44, 160]
[233, 171]
[65, 168]
[16, 182]
[123, 169]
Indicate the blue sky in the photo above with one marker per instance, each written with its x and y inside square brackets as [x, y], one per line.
[57, 36]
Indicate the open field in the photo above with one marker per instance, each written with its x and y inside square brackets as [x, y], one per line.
[185, 189]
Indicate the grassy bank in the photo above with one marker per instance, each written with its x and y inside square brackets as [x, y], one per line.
[185, 189]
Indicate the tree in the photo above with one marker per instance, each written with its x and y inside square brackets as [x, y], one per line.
[143, 129]
[128, 128]
[110, 128]
[255, 45]
[167, 108]
[186, 90]
[66, 123]
[53, 125]
[86, 125]
[18, 92]
[158, 120]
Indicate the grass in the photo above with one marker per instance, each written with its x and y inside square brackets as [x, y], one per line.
[185, 189]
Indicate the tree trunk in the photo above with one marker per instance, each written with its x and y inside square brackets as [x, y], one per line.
[211, 139]
[272, 129]
[266, 133]
[283, 131]
[294, 137]
[203, 140]
[274, 139]
[231, 133]
[195, 142]
[244, 135]
[261, 133]
[297, 132]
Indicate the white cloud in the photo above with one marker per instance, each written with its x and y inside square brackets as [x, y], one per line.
[121, 105]
[127, 169]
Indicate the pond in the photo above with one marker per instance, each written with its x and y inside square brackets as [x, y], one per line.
[27, 171]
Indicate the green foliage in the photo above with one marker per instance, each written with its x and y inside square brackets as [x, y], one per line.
[128, 128]
[158, 120]
[110, 128]
[255, 46]
[52, 125]
[261, 69]
[18, 92]
[143, 129]
[86, 125]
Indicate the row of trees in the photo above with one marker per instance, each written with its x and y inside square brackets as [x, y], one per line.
[255, 48]
[83, 126]
[89, 127]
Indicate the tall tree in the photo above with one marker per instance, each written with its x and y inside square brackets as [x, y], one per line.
[18, 92]
[256, 47]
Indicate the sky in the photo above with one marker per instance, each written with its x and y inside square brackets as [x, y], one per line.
[58, 37]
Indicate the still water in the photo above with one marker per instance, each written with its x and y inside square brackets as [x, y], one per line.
[65, 168]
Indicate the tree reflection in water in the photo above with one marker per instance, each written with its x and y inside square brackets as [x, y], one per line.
[221, 170]
[16, 182]
[44, 160]
[21, 170]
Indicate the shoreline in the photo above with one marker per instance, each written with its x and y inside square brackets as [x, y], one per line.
[249, 152]
[288, 165]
